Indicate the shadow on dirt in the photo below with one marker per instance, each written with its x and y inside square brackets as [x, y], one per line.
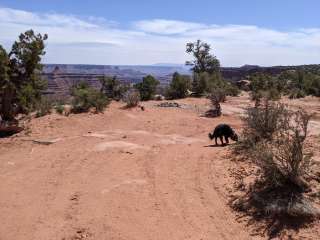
[275, 212]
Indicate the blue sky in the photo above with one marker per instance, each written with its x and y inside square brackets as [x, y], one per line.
[146, 32]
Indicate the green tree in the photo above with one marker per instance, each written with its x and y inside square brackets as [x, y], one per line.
[179, 86]
[25, 58]
[203, 60]
[23, 84]
[205, 67]
[264, 86]
[86, 97]
[147, 88]
[112, 87]
[6, 86]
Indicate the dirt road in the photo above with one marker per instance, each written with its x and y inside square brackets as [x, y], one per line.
[124, 174]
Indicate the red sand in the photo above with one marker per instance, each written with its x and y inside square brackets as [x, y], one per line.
[124, 174]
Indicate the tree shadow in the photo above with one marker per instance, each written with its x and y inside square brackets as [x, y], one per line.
[7, 134]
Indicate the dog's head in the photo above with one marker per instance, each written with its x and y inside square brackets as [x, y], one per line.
[235, 137]
[210, 135]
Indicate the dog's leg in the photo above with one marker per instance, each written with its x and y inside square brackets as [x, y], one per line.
[221, 139]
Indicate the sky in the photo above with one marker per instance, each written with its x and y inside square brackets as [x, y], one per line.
[140, 32]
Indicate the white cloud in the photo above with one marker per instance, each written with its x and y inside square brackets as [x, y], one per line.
[162, 26]
[97, 41]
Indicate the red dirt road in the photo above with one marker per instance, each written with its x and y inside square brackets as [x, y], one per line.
[122, 175]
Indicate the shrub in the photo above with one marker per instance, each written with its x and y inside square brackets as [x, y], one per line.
[264, 86]
[284, 161]
[131, 98]
[178, 87]
[297, 93]
[283, 165]
[262, 121]
[43, 107]
[147, 88]
[216, 97]
[232, 90]
[86, 97]
[112, 87]
[59, 108]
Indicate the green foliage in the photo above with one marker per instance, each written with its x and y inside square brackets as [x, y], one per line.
[231, 90]
[26, 98]
[6, 86]
[262, 122]
[265, 86]
[59, 107]
[205, 83]
[203, 60]
[112, 87]
[44, 107]
[22, 85]
[273, 138]
[283, 160]
[4, 67]
[205, 66]
[296, 93]
[301, 83]
[131, 98]
[86, 97]
[178, 87]
[147, 88]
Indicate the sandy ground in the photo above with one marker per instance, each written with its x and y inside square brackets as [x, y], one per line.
[125, 174]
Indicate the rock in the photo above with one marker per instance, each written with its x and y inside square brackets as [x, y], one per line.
[46, 141]
[169, 104]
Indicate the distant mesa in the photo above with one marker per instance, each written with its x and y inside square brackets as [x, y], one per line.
[56, 70]
[248, 67]
[61, 77]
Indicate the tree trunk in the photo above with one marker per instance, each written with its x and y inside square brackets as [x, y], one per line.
[6, 105]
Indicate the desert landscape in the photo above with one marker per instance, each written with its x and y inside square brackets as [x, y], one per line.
[133, 174]
[159, 120]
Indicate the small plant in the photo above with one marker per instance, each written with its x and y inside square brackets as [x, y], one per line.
[297, 93]
[216, 97]
[232, 90]
[131, 98]
[43, 107]
[59, 108]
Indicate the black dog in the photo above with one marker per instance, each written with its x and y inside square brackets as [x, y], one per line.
[223, 130]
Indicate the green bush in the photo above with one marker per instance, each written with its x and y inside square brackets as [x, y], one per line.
[297, 93]
[232, 90]
[59, 108]
[112, 87]
[86, 97]
[43, 107]
[147, 88]
[178, 87]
